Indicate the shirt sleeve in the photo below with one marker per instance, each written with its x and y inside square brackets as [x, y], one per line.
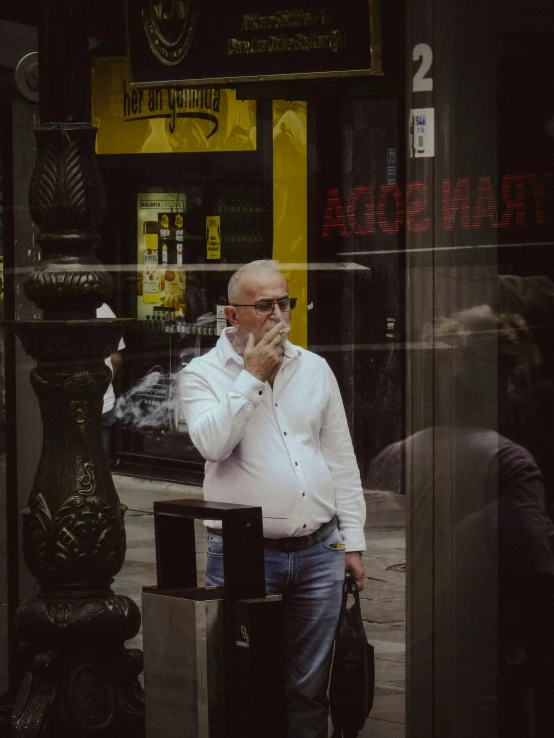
[105, 311]
[217, 426]
[337, 449]
[524, 528]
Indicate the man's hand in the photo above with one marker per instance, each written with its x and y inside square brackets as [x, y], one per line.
[353, 565]
[264, 359]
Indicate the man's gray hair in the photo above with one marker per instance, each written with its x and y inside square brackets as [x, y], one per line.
[233, 289]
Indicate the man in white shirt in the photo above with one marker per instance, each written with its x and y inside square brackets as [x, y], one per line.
[268, 418]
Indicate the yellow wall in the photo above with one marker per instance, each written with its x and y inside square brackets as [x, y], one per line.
[165, 120]
[162, 120]
[290, 206]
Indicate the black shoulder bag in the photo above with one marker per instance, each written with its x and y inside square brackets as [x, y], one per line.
[352, 683]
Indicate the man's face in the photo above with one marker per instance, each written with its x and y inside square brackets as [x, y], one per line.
[258, 286]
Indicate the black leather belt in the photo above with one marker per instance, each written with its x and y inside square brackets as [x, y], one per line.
[297, 543]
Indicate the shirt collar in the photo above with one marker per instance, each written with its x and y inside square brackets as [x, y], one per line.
[227, 353]
[225, 350]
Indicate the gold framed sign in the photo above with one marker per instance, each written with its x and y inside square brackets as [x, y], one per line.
[190, 42]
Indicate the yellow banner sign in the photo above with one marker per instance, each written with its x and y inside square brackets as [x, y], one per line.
[213, 237]
[165, 120]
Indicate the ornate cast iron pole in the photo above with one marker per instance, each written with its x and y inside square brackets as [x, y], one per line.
[81, 680]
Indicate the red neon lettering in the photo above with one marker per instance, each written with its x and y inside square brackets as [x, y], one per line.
[513, 183]
[384, 192]
[416, 207]
[361, 214]
[485, 206]
[334, 215]
[538, 189]
[368, 226]
[454, 201]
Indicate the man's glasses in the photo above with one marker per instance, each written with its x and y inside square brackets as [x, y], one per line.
[268, 306]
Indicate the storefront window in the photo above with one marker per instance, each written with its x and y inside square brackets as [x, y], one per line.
[410, 206]
[414, 225]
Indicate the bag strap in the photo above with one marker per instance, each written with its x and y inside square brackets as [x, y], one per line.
[350, 587]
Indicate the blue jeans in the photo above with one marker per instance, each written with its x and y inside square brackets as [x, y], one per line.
[311, 584]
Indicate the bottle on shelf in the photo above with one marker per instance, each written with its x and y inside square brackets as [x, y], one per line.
[150, 270]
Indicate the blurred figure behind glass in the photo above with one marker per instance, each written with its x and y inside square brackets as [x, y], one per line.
[490, 592]
[113, 362]
[527, 415]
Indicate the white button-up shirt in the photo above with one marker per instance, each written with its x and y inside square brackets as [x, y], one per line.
[286, 449]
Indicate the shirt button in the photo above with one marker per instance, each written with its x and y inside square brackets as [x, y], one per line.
[296, 463]
[304, 525]
[285, 433]
[276, 405]
[260, 392]
[303, 494]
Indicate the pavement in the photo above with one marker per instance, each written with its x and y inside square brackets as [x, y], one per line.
[383, 599]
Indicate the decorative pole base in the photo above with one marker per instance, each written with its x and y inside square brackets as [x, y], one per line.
[80, 679]
[86, 683]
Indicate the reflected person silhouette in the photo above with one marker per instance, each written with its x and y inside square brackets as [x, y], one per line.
[527, 415]
[482, 568]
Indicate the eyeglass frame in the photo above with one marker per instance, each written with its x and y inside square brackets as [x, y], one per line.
[292, 300]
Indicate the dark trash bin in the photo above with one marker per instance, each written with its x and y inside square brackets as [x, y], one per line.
[214, 657]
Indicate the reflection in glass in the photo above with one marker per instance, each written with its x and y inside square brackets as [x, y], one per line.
[482, 568]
